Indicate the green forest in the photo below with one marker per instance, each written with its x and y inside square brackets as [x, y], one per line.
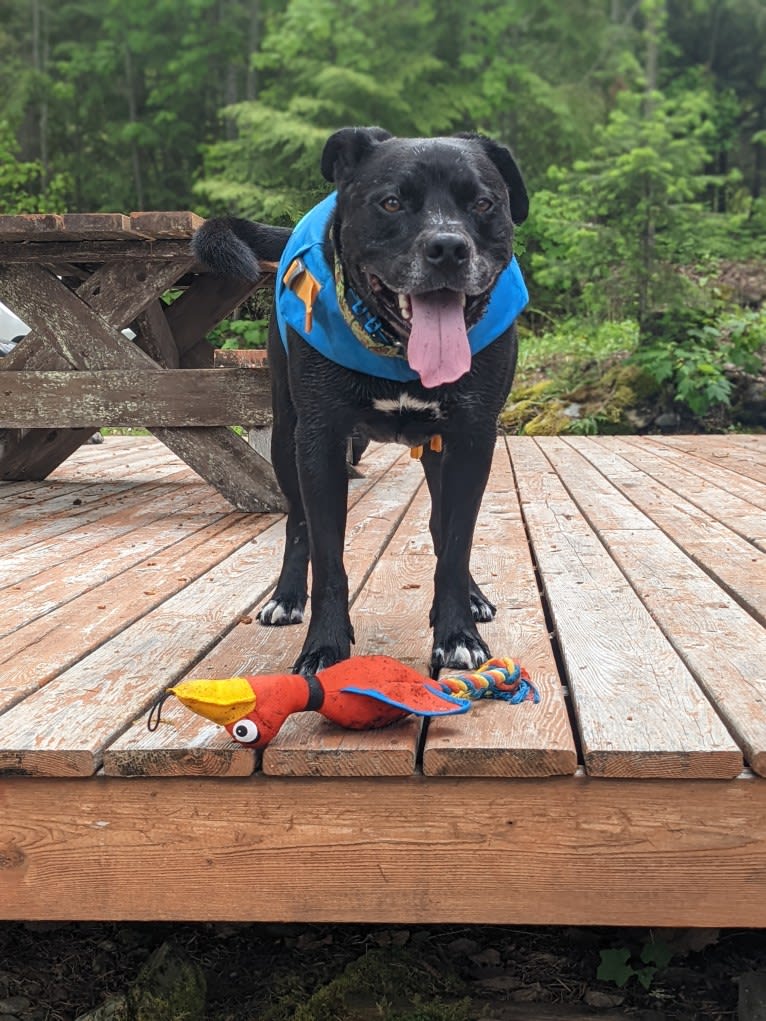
[640, 126]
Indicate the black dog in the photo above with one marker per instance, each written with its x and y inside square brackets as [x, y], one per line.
[415, 252]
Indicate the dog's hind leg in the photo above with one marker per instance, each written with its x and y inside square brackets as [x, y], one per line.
[288, 602]
[482, 608]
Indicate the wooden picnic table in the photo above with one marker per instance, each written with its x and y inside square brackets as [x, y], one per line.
[78, 280]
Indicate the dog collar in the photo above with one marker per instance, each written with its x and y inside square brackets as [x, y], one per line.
[308, 300]
[365, 325]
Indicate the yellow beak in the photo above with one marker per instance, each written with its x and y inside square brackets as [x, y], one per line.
[222, 701]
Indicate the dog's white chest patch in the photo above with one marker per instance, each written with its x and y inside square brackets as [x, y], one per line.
[406, 402]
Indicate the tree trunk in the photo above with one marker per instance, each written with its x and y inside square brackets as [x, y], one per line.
[40, 48]
[133, 118]
[254, 41]
[759, 150]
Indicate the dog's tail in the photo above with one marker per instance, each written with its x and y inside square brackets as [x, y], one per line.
[233, 247]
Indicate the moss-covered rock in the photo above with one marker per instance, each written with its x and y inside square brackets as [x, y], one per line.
[386, 984]
[169, 987]
[551, 421]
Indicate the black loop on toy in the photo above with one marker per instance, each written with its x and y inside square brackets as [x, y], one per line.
[155, 710]
[316, 693]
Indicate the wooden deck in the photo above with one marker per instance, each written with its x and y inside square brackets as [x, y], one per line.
[630, 577]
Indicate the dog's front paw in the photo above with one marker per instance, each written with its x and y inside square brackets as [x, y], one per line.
[462, 650]
[311, 661]
[278, 612]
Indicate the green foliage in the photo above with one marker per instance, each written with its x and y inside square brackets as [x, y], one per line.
[239, 333]
[620, 964]
[611, 225]
[321, 66]
[22, 188]
[688, 352]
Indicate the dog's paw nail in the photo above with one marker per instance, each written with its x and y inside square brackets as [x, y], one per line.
[482, 611]
[455, 654]
[276, 613]
[461, 657]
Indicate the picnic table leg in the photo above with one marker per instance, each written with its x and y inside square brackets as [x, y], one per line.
[60, 320]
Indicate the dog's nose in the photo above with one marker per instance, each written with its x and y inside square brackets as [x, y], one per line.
[446, 250]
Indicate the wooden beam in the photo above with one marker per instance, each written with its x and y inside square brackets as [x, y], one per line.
[155, 337]
[135, 397]
[194, 314]
[562, 850]
[91, 252]
[119, 291]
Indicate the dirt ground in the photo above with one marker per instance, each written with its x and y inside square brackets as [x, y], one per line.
[259, 972]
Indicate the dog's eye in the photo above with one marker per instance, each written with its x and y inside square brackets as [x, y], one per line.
[391, 204]
[483, 205]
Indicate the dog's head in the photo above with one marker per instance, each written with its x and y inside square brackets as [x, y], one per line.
[423, 228]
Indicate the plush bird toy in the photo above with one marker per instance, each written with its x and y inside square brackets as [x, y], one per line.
[364, 692]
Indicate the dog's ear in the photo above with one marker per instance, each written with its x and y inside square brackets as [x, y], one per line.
[345, 149]
[502, 158]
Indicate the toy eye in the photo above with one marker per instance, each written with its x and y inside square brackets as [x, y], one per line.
[391, 204]
[483, 205]
[245, 731]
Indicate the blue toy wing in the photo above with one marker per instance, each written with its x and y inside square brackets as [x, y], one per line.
[420, 701]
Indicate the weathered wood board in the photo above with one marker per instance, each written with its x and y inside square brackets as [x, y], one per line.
[639, 711]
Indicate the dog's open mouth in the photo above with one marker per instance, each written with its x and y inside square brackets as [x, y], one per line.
[437, 324]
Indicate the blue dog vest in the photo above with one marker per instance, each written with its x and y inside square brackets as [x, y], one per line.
[307, 300]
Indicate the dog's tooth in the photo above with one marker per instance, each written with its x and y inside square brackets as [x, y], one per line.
[462, 300]
[404, 306]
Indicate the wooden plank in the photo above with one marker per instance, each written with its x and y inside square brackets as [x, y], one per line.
[714, 474]
[154, 336]
[496, 739]
[36, 227]
[166, 224]
[252, 649]
[639, 710]
[120, 291]
[716, 450]
[135, 397]
[246, 358]
[132, 511]
[34, 596]
[98, 227]
[724, 505]
[90, 461]
[730, 560]
[225, 460]
[89, 252]
[61, 729]
[753, 442]
[723, 647]
[630, 852]
[220, 456]
[30, 226]
[25, 513]
[51, 644]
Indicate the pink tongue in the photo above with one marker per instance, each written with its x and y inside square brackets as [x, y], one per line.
[438, 348]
